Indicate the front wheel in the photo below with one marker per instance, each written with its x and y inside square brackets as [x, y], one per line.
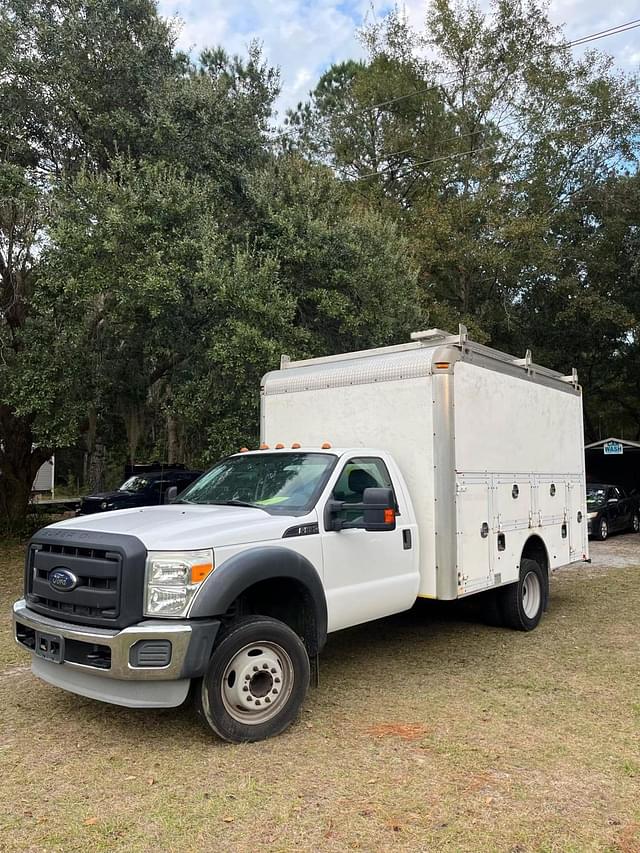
[521, 604]
[256, 681]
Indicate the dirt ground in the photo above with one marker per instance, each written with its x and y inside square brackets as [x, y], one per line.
[431, 731]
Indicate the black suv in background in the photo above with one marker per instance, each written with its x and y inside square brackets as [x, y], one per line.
[610, 509]
[144, 488]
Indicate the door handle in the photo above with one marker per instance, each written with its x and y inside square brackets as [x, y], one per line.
[406, 539]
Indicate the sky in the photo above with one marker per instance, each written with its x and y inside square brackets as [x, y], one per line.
[304, 37]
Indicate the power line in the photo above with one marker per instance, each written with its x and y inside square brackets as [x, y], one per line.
[507, 124]
[411, 168]
[611, 31]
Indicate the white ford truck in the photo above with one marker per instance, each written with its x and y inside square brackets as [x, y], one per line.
[437, 469]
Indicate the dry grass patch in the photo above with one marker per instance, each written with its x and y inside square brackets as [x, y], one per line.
[430, 732]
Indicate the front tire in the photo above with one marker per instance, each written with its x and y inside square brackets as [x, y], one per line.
[256, 681]
[635, 523]
[521, 604]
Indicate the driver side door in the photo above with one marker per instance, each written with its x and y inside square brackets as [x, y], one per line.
[367, 574]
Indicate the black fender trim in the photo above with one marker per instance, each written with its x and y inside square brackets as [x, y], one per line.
[203, 636]
[238, 573]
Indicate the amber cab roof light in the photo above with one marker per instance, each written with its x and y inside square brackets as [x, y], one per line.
[264, 447]
[325, 445]
[279, 446]
[295, 445]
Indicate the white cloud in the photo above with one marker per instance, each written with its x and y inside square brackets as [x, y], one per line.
[303, 37]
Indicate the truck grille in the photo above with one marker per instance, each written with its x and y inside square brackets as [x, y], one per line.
[108, 581]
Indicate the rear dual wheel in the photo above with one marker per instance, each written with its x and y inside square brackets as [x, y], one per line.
[522, 604]
[256, 681]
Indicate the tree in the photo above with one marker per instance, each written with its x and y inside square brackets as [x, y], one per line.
[102, 109]
[203, 311]
[76, 79]
[514, 140]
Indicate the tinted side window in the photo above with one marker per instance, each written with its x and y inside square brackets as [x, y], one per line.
[357, 475]
[158, 488]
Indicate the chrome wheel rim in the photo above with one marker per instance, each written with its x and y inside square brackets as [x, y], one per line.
[636, 523]
[531, 594]
[257, 682]
[604, 529]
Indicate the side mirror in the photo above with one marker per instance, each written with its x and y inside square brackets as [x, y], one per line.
[171, 494]
[379, 509]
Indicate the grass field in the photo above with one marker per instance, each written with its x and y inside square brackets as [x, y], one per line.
[430, 732]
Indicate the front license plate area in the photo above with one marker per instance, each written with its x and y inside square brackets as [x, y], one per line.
[50, 647]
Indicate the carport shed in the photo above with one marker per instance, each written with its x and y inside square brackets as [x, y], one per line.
[619, 469]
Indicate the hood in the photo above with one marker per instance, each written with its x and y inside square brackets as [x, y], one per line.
[178, 526]
[107, 496]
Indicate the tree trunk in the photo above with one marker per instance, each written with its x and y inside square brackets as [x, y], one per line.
[173, 444]
[19, 464]
[96, 474]
[133, 416]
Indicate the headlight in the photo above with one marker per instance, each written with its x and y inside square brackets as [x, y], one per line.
[172, 579]
[591, 515]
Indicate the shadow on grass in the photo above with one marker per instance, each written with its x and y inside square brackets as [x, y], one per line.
[428, 641]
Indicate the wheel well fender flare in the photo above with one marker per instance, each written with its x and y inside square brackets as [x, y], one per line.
[242, 571]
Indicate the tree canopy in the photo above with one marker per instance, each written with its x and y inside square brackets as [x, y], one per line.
[160, 247]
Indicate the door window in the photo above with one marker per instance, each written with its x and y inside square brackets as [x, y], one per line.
[357, 475]
[158, 489]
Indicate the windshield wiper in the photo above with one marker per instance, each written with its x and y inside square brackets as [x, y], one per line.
[234, 503]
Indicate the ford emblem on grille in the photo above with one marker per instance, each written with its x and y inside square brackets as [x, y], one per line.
[62, 580]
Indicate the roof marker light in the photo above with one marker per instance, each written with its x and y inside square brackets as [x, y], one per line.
[325, 445]
[264, 447]
[244, 450]
[280, 446]
[295, 445]
[441, 365]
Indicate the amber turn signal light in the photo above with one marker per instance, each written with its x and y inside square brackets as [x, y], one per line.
[200, 571]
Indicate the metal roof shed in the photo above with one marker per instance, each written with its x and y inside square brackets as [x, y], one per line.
[614, 460]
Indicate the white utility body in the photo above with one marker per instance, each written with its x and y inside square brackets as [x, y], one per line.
[468, 427]
[437, 469]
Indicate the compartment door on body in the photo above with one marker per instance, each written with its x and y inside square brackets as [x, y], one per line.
[474, 533]
[368, 574]
[576, 509]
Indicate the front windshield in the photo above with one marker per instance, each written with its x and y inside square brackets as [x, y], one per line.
[595, 496]
[276, 482]
[134, 484]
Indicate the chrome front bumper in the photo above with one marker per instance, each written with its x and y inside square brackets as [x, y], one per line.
[179, 634]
